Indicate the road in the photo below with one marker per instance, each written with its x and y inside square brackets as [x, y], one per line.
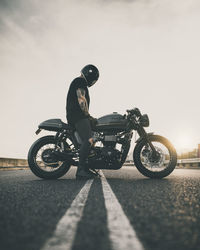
[124, 210]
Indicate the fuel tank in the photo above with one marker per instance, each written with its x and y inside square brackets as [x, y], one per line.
[111, 123]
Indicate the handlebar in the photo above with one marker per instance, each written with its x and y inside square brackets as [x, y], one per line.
[134, 111]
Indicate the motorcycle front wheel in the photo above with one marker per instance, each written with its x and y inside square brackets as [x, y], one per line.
[155, 165]
[40, 161]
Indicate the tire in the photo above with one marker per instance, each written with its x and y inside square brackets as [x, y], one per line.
[57, 172]
[154, 172]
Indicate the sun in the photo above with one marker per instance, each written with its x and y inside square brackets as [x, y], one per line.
[184, 142]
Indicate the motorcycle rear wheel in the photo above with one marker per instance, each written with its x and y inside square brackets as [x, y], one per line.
[38, 166]
[159, 166]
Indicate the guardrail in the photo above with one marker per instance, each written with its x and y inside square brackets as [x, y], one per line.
[181, 163]
[189, 163]
[190, 160]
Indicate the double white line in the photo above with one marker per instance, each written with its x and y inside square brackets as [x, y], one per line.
[121, 233]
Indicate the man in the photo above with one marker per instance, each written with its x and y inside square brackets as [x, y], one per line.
[78, 101]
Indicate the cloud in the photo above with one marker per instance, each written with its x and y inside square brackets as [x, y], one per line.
[37, 17]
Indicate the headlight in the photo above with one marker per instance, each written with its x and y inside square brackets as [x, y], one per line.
[144, 120]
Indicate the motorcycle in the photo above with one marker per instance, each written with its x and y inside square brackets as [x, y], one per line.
[51, 157]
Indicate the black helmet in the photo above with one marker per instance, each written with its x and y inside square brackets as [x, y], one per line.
[91, 74]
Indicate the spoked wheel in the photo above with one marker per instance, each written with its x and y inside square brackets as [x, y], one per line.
[43, 161]
[155, 164]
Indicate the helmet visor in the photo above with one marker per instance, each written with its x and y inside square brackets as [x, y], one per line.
[92, 83]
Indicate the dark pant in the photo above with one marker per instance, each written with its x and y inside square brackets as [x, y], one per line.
[84, 130]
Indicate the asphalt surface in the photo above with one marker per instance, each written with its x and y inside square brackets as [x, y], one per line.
[165, 214]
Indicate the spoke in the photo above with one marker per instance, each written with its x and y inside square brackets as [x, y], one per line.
[41, 164]
[151, 162]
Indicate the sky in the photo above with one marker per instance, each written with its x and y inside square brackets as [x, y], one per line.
[147, 52]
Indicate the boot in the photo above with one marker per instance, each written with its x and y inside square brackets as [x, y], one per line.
[83, 173]
[91, 171]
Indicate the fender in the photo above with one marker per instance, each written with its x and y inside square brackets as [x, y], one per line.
[141, 138]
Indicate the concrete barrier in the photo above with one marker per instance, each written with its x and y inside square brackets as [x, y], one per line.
[188, 165]
[6, 163]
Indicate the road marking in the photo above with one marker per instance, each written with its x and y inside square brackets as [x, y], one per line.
[65, 232]
[121, 233]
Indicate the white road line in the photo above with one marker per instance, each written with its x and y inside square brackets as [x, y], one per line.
[65, 232]
[121, 233]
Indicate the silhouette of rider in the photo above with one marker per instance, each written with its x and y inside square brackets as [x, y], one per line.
[78, 101]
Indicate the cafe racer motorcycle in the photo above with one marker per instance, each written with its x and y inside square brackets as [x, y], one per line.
[50, 157]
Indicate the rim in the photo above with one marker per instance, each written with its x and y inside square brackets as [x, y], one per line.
[155, 163]
[39, 159]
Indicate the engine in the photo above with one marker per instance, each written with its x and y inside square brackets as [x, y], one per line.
[110, 155]
[109, 140]
[107, 131]
[105, 158]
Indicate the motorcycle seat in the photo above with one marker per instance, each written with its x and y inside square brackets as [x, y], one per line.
[54, 125]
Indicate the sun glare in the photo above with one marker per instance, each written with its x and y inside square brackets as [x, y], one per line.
[184, 142]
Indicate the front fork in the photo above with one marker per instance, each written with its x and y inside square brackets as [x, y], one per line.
[145, 136]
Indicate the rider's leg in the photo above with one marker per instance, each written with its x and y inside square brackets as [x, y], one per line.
[84, 130]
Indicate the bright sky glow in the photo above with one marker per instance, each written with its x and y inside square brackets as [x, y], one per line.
[183, 142]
